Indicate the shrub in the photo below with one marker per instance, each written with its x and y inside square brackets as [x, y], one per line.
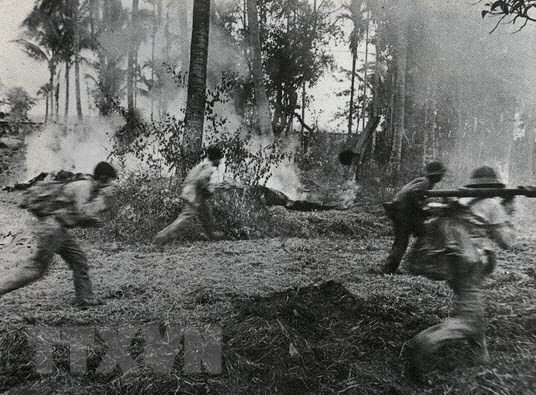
[143, 205]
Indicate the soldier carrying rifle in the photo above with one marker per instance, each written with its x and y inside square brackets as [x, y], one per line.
[458, 247]
[405, 211]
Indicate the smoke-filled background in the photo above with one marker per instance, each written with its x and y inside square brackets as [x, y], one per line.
[468, 92]
[469, 89]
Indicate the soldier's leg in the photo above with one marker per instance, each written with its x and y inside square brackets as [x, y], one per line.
[430, 340]
[479, 345]
[205, 216]
[71, 252]
[166, 234]
[400, 244]
[469, 305]
[48, 235]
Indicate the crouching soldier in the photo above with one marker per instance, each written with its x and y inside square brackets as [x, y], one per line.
[58, 207]
[405, 212]
[464, 259]
[196, 191]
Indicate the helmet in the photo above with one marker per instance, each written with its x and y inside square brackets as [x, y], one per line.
[434, 167]
[104, 170]
[214, 153]
[346, 157]
[484, 177]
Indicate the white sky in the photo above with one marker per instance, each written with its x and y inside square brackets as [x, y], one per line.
[16, 68]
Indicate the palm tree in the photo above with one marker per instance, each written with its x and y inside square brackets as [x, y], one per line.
[42, 54]
[44, 91]
[355, 12]
[263, 108]
[74, 38]
[107, 19]
[197, 80]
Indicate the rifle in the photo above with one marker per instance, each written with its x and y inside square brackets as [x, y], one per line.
[528, 191]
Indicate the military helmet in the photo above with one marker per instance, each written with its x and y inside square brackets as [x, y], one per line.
[433, 168]
[346, 157]
[214, 153]
[484, 177]
[104, 170]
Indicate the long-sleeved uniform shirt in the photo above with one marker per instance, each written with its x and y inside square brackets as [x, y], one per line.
[198, 185]
[491, 223]
[86, 200]
[405, 195]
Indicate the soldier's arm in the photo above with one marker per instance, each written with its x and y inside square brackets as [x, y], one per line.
[204, 181]
[90, 203]
[502, 229]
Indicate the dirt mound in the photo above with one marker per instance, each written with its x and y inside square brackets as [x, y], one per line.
[318, 338]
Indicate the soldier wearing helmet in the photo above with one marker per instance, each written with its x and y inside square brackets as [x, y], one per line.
[405, 211]
[488, 223]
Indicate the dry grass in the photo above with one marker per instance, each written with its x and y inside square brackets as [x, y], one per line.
[298, 315]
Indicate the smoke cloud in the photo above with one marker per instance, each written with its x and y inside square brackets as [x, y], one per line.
[74, 147]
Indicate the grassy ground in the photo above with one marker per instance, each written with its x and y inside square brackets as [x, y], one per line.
[298, 315]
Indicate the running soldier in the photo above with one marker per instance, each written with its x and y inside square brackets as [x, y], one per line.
[467, 258]
[196, 191]
[60, 206]
[405, 212]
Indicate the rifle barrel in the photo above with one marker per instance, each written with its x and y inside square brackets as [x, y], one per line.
[481, 192]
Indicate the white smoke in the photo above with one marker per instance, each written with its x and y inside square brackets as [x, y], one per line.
[286, 178]
[72, 147]
[286, 175]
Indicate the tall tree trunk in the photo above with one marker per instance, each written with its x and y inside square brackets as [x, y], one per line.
[197, 80]
[131, 57]
[57, 97]
[352, 92]
[263, 108]
[184, 34]
[302, 129]
[77, 60]
[52, 70]
[363, 112]
[47, 98]
[401, 64]
[67, 76]
[103, 13]
[152, 60]
[376, 90]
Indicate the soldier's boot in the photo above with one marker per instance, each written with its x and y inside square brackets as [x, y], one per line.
[216, 235]
[398, 249]
[416, 366]
[480, 350]
[88, 302]
[84, 293]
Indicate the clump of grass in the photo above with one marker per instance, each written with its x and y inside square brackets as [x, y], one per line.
[142, 206]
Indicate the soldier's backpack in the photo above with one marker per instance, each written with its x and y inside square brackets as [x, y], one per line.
[47, 198]
[445, 244]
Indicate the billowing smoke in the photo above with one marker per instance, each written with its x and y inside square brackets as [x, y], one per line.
[474, 86]
[286, 176]
[75, 147]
